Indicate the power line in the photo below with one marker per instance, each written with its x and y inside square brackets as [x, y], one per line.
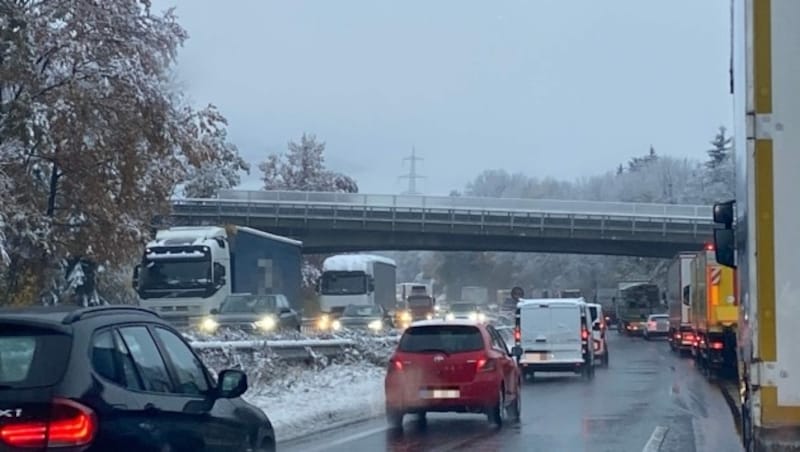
[412, 175]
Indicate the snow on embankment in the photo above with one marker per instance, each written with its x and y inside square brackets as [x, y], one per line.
[304, 401]
[301, 397]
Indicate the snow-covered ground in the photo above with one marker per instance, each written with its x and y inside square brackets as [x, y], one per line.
[303, 401]
[300, 397]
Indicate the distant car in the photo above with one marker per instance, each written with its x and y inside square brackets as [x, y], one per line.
[657, 326]
[116, 378]
[256, 314]
[365, 317]
[465, 311]
[452, 366]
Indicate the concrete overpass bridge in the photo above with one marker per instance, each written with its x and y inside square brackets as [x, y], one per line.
[346, 222]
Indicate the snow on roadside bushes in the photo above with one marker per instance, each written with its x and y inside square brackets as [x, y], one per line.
[306, 396]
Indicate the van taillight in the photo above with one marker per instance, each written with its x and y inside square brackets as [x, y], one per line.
[717, 345]
[71, 424]
[584, 334]
[517, 334]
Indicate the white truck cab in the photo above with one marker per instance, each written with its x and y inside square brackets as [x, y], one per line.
[554, 335]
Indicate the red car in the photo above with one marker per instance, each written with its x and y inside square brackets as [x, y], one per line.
[452, 366]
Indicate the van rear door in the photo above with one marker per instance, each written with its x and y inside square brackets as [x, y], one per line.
[551, 331]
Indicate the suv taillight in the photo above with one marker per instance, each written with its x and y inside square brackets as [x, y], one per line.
[71, 425]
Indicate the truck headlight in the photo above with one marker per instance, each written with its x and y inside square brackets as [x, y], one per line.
[267, 323]
[405, 316]
[473, 316]
[429, 316]
[336, 325]
[481, 317]
[450, 316]
[375, 325]
[209, 325]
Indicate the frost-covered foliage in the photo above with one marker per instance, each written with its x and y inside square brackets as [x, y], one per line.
[303, 168]
[94, 141]
[647, 178]
[210, 177]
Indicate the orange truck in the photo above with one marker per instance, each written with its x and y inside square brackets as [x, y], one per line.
[714, 314]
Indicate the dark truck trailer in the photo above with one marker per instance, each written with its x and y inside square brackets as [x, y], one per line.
[636, 300]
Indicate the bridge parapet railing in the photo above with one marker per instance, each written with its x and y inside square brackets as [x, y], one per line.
[467, 203]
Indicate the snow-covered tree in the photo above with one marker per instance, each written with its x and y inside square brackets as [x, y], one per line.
[206, 180]
[93, 140]
[720, 150]
[303, 168]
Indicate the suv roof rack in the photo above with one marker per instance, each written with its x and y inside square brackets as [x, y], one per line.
[82, 313]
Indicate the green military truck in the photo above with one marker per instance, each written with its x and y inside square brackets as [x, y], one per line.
[635, 301]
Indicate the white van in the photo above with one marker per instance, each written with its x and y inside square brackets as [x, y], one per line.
[553, 335]
[599, 329]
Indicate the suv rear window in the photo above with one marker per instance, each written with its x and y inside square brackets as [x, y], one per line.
[31, 358]
[441, 338]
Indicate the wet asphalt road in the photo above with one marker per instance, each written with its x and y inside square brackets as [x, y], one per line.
[645, 394]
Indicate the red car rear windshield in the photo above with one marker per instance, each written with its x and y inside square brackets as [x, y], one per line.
[441, 338]
[31, 357]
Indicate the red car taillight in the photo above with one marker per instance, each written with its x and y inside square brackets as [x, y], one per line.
[487, 365]
[72, 425]
[395, 365]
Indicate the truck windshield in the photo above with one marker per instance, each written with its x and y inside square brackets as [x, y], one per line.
[463, 307]
[344, 283]
[361, 311]
[419, 301]
[168, 274]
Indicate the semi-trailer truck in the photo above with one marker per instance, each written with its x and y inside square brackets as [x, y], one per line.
[188, 271]
[357, 279]
[679, 300]
[761, 234]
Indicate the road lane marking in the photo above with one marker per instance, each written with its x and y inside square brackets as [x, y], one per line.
[654, 443]
[348, 439]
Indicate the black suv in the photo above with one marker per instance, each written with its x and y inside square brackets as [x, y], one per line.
[116, 378]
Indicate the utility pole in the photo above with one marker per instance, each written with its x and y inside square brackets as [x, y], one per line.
[412, 175]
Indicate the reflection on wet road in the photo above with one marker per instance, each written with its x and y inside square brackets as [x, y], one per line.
[648, 399]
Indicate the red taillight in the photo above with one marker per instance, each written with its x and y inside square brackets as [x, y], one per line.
[584, 334]
[486, 365]
[717, 345]
[395, 365]
[72, 424]
[517, 334]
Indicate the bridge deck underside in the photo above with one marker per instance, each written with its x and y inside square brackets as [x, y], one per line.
[337, 228]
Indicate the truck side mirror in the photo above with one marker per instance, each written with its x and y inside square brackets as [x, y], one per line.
[725, 247]
[723, 213]
[135, 280]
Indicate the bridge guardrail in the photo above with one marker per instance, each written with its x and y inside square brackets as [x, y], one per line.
[459, 203]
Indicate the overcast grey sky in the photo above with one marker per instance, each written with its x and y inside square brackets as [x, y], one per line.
[562, 88]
